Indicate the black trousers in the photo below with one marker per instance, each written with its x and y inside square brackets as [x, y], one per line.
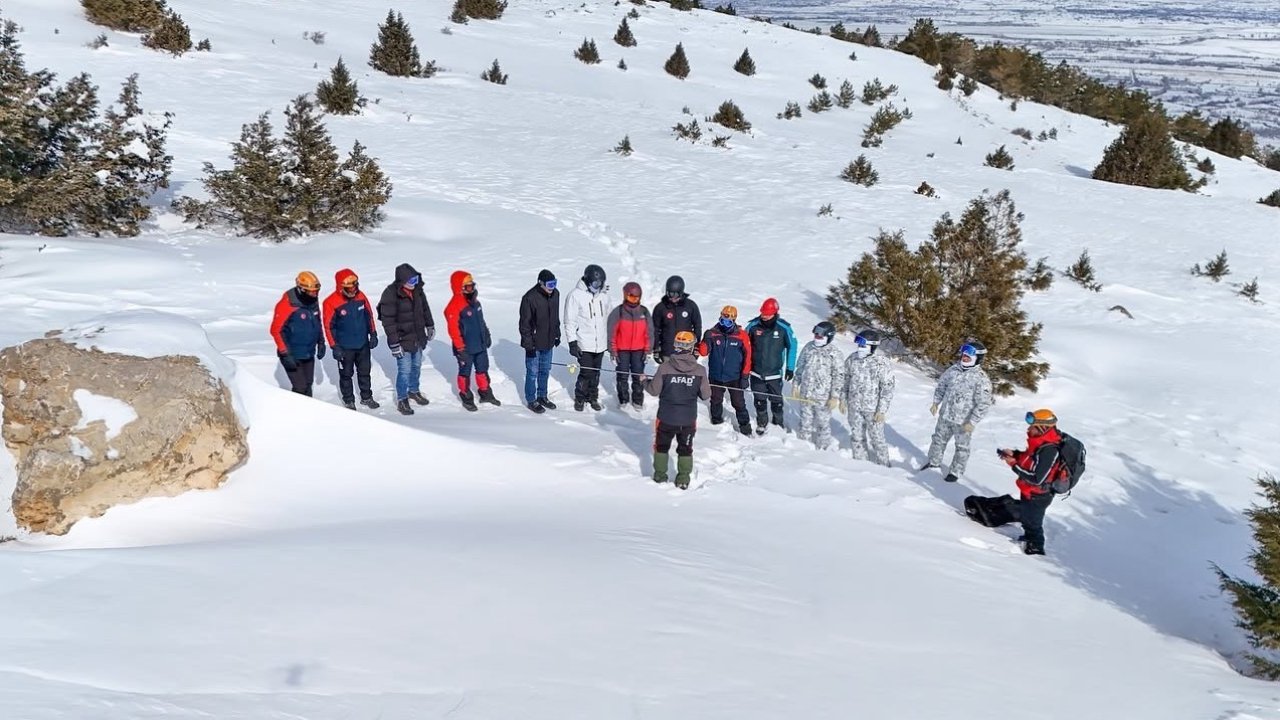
[357, 362]
[681, 434]
[737, 398]
[304, 377]
[631, 386]
[1031, 514]
[588, 386]
[763, 403]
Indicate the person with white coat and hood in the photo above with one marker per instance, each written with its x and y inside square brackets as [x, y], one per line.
[586, 328]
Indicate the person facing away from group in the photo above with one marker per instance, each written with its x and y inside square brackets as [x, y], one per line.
[676, 312]
[728, 353]
[471, 339]
[630, 337]
[773, 359]
[819, 384]
[407, 323]
[680, 382]
[539, 334]
[296, 329]
[586, 328]
[961, 399]
[868, 391]
[1037, 468]
[352, 334]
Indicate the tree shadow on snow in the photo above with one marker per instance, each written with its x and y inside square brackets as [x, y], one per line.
[1079, 171]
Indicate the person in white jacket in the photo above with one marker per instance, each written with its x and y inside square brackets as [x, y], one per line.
[586, 328]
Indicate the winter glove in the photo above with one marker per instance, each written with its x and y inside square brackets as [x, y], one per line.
[844, 407]
[530, 353]
[290, 365]
[397, 351]
[833, 403]
[458, 353]
[657, 356]
[575, 349]
[967, 428]
[746, 381]
[878, 418]
[320, 350]
[557, 343]
[791, 375]
[613, 358]
[431, 333]
[933, 409]
[373, 341]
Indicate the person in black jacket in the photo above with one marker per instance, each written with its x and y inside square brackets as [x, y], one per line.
[408, 325]
[673, 313]
[679, 385]
[539, 333]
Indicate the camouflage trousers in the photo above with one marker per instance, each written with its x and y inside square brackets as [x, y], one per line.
[943, 433]
[815, 423]
[868, 438]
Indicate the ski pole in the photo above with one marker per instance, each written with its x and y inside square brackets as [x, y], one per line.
[573, 369]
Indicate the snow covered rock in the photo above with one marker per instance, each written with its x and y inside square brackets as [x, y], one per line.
[91, 427]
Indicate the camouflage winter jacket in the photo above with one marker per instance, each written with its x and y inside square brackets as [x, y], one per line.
[868, 384]
[963, 395]
[820, 372]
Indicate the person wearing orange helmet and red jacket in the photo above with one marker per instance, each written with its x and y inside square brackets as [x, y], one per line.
[295, 326]
[471, 340]
[728, 352]
[630, 337]
[1036, 468]
[350, 328]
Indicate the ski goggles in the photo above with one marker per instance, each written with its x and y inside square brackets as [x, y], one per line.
[468, 287]
[969, 350]
[549, 284]
[1042, 418]
[860, 341]
[633, 299]
[413, 281]
[351, 282]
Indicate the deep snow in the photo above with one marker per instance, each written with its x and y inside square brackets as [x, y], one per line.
[500, 564]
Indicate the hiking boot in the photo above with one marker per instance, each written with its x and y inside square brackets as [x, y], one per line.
[370, 403]
[419, 398]
[534, 406]
[468, 401]
[579, 405]
[638, 404]
[595, 405]
[661, 464]
[762, 429]
[745, 429]
[403, 407]
[1032, 549]
[951, 477]
[926, 466]
[684, 471]
[546, 403]
[486, 396]
[717, 421]
[349, 404]
[777, 420]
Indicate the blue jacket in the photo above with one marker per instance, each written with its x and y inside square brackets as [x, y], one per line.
[348, 321]
[467, 328]
[773, 348]
[295, 325]
[728, 354]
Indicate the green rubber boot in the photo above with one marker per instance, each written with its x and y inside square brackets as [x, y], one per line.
[661, 464]
[684, 469]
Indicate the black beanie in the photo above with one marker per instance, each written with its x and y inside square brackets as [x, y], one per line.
[546, 276]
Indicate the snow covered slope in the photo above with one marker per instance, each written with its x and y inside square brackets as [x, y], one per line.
[499, 564]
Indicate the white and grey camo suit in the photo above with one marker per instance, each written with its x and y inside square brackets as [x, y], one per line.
[819, 379]
[868, 390]
[963, 397]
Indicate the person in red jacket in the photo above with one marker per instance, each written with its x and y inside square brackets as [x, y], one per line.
[350, 328]
[471, 340]
[1036, 469]
[727, 348]
[630, 337]
[295, 327]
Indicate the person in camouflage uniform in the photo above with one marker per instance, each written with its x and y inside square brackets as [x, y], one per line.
[960, 401]
[865, 398]
[819, 384]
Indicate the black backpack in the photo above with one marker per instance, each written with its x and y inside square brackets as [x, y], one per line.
[1072, 456]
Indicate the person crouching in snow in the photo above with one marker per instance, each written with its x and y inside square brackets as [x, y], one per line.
[679, 383]
[352, 335]
[960, 401]
[471, 340]
[819, 383]
[1036, 467]
[868, 391]
[296, 328]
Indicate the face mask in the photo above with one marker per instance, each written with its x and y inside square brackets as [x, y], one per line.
[862, 352]
[968, 361]
[594, 287]
[350, 290]
[821, 341]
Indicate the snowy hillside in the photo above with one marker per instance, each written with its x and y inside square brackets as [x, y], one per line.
[505, 565]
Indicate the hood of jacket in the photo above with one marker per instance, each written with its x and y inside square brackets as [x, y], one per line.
[457, 280]
[683, 362]
[344, 274]
[404, 271]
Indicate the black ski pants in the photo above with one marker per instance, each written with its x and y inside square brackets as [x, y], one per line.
[588, 386]
[765, 403]
[1031, 511]
[357, 362]
[303, 377]
[631, 386]
[737, 398]
[681, 434]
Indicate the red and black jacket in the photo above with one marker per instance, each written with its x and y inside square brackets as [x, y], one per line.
[1039, 465]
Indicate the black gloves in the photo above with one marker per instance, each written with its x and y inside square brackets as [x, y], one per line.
[791, 375]
[397, 351]
[530, 353]
[320, 349]
[373, 341]
[657, 356]
[574, 349]
[746, 381]
[290, 365]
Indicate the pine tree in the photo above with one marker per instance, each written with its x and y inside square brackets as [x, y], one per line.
[1258, 604]
[860, 172]
[254, 195]
[818, 82]
[731, 116]
[622, 64]
[131, 164]
[623, 36]
[691, 132]
[481, 9]
[846, 96]
[172, 35]
[395, 52]
[1206, 166]
[999, 158]
[1231, 138]
[1082, 272]
[1272, 200]
[745, 64]
[1144, 155]
[362, 190]
[792, 110]
[494, 74]
[312, 167]
[587, 52]
[1250, 290]
[874, 91]
[678, 65]
[1215, 269]
[459, 13]
[821, 102]
[134, 16]
[624, 148]
[968, 86]
[339, 94]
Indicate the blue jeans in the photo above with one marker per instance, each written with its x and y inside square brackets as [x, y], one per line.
[408, 371]
[537, 370]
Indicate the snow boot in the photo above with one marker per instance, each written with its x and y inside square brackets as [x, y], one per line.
[578, 405]
[536, 408]
[762, 429]
[595, 405]
[1032, 549]
[745, 429]
[419, 398]
[349, 404]
[661, 464]
[468, 401]
[951, 477]
[403, 407]
[546, 404]
[926, 466]
[717, 421]
[684, 469]
[486, 396]
[637, 404]
[370, 403]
